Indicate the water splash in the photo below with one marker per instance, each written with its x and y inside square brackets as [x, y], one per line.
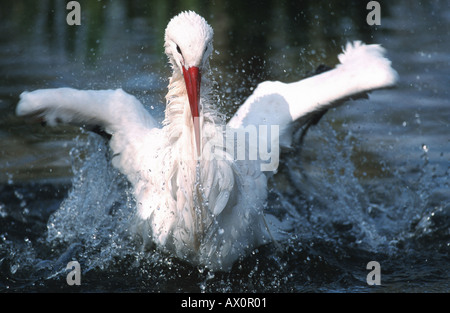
[329, 216]
[98, 210]
[331, 198]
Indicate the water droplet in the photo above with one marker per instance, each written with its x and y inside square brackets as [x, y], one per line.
[210, 275]
[10, 178]
[18, 195]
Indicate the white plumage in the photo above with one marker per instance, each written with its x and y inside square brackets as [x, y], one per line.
[194, 198]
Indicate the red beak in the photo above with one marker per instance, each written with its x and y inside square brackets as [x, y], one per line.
[192, 78]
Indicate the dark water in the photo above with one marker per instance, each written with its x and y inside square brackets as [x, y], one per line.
[369, 183]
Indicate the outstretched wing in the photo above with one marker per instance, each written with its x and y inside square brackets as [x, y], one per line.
[134, 132]
[110, 109]
[362, 68]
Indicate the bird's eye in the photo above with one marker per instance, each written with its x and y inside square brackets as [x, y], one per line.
[179, 50]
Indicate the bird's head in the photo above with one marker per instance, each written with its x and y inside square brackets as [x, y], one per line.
[188, 44]
[188, 41]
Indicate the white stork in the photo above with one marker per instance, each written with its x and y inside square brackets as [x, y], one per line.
[194, 198]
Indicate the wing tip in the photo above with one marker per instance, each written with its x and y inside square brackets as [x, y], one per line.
[370, 60]
[25, 105]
